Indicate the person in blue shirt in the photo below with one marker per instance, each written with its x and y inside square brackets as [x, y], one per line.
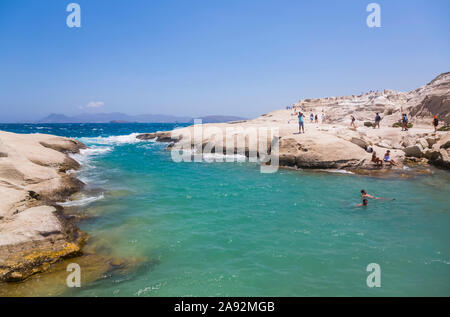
[377, 121]
[301, 123]
[405, 122]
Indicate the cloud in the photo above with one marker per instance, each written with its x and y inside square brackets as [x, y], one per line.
[93, 104]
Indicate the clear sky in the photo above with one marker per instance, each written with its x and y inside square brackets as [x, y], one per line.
[196, 58]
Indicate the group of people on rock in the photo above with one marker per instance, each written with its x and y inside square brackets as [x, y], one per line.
[404, 121]
[386, 159]
[435, 122]
[313, 119]
[376, 125]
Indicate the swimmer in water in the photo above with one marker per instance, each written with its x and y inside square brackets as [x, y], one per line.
[364, 203]
[365, 195]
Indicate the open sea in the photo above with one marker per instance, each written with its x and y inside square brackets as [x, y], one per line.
[225, 229]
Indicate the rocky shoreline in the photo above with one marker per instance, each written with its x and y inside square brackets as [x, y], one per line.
[35, 169]
[335, 148]
[332, 143]
[34, 231]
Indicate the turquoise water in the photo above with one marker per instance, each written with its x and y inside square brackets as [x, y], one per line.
[225, 229]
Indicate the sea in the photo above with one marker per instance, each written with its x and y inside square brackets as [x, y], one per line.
[226, 229]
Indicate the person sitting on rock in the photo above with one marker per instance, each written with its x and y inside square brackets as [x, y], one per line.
[387, 158]
[376, 159]
[435, 123]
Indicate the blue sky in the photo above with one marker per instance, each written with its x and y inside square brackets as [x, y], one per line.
[196, 58]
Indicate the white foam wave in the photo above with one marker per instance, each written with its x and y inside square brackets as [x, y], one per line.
[83, 201]
[214, 157]
[224, 157]
[112, 140]
[339, 171]
[85, 154]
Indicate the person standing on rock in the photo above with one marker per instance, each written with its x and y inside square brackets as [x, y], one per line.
[323, 117]
[316, 119]
[377, 121]
[405, 122]
[311, 117]
[301, 122]
[352, 124]
[435, 123]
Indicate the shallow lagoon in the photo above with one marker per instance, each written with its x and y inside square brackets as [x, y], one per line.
[225, 229]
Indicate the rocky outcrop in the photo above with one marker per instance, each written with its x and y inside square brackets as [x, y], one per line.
[433, 99]
[439, 154]
[162, 136]
[330, 152]
[434, 148]
[332, 143]
[33, 232]
[35, 239]
[420, 104]
[414, 151]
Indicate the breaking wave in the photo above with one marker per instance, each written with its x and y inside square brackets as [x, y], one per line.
[86, 154]
[83, 201]
[112, 140]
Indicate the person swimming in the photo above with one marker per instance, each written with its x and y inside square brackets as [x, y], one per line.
[365, 195]
[364, 203]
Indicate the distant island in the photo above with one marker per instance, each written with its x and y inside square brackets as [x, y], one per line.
[117, 117]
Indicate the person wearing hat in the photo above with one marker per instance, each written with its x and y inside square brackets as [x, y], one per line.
[435, 123]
